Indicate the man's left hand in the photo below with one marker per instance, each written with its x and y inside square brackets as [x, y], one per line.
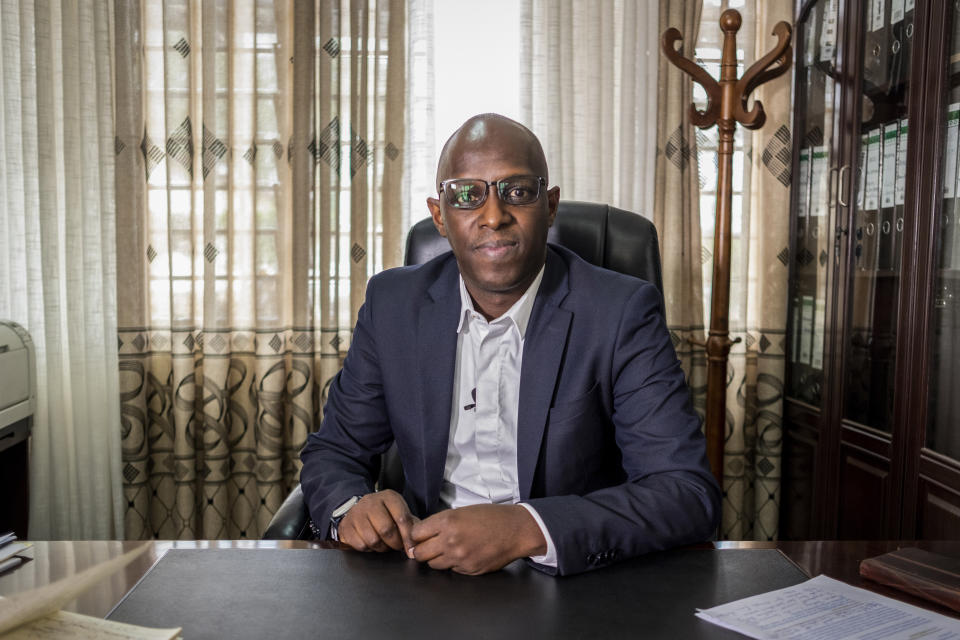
[477, 539]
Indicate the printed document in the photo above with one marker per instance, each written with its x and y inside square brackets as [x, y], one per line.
[826, 609]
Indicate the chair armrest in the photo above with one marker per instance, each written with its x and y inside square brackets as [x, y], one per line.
[291, 521]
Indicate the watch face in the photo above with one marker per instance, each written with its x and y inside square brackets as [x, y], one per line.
[341, 511]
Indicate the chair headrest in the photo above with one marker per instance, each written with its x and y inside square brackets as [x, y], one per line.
[600, 234]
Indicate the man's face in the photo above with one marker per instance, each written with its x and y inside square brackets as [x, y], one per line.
[499, 247]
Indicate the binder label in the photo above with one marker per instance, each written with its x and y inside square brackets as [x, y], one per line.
[889, 175]
[872, 183]
[950, 162]
[899, 196]
[896, 11]
[803, 186]
[862, 171]
[806, 326]
[816, 357]
[828, 34]
[818, 176]
[876, 14]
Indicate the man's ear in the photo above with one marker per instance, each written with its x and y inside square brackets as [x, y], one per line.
[434, 205]
[553, 201]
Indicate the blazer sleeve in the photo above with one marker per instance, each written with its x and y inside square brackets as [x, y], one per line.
[342, 458]
[669, 498]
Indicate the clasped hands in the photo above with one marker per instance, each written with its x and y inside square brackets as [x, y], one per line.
[470, 540]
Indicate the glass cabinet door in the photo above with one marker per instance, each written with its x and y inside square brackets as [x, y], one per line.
[817, 89]
[943, 430]
[876, 222]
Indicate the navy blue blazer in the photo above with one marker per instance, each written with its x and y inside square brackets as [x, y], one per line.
[609, 449]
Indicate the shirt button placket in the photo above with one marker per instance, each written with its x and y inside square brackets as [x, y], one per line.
[487, 432]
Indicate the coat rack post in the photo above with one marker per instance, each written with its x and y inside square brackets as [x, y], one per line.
[726, 106]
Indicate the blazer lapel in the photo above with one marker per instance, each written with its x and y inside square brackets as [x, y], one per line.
[436, 357]
[543, 350]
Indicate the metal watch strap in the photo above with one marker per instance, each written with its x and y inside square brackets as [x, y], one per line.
[335, 519]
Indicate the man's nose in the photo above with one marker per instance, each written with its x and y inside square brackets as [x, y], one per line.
[493, 214]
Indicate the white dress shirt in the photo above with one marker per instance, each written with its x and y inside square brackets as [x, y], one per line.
[481, 466]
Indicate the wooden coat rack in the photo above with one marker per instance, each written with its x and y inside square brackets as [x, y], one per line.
[726, 106]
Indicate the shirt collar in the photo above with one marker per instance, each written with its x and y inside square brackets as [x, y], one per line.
[519, 313]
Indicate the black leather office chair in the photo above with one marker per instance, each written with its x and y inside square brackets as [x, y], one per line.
[600, 234]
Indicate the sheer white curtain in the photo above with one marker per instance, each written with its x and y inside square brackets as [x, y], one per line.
[419, 150]
[587, 89]
[57, 254]
[678, 198]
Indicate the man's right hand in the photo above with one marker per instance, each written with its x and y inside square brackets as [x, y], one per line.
[379, 521]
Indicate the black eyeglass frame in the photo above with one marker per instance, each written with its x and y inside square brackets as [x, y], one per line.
[501, 186]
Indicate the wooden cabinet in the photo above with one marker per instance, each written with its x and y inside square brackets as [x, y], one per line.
[872, 408]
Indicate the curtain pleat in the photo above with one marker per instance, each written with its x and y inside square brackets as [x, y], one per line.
[677, 201]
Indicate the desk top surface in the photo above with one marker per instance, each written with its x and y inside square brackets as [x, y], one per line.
[298, 593]
[631, 587]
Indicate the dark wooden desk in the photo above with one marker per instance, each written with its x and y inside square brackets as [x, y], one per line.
[59, 559]
[55, 560]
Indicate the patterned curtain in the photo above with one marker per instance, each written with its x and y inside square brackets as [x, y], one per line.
[57, 263]
[258, 187]
[677, 201]
[584, 90]
[758, 305]
[758, 283]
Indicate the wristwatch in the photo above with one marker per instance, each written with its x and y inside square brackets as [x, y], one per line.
[339, 513]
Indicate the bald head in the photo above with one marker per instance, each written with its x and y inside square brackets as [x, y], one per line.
[491, 134]
[500, 241]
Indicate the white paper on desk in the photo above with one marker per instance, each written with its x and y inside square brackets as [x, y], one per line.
[13, 549]
[64, 624]
[825, 609]
[27, 606]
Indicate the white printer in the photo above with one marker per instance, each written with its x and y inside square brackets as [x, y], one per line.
[18, 384]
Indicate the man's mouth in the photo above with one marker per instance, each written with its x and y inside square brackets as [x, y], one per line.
[495, 248]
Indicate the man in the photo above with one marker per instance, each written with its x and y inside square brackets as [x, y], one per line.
[537, 403]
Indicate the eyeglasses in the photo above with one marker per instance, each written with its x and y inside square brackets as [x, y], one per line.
[471, 193]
